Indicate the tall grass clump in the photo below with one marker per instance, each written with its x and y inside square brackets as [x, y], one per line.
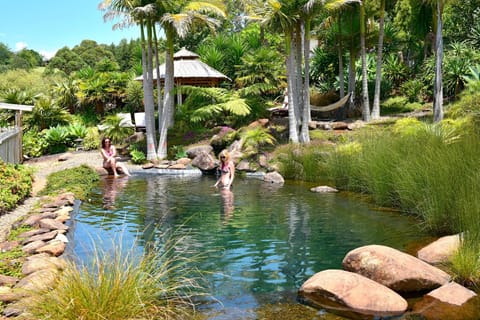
[119, 285]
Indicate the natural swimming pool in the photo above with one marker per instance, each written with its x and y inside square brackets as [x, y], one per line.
[262, 241]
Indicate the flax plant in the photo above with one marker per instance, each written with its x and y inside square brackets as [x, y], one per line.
[124, 284]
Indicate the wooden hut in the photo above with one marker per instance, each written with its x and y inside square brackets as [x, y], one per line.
[189, 70]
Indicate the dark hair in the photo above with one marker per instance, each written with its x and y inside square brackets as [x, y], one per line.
[103, 142]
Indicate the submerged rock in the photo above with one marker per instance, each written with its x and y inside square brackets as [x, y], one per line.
[439, 251]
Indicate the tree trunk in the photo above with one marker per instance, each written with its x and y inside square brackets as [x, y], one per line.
[378, 76]
[169, 78]
[438, 85]
[292, 120]
[366, 102]
[159, 86]
[148, 93]
[351, 80]
[304, 136]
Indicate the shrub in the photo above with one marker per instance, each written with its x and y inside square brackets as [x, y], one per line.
[58, 139]
[92, 139]
[76, 130]
[15, 185]
[114, 130]
[138, 157]
[34, 144]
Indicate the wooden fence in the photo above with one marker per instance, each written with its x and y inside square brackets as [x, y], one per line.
[10, 145]
[11, 138]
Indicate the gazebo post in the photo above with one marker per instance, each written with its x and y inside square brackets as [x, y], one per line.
[18, 124]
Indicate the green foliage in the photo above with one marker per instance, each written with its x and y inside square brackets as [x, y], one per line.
[58, 139]
[214, 106]
[255, 137]
[11, 262]
[398, 104]
[177, 152]
[465, 264]
[79, 180]
[114, 130]
[76, 130]
[134, 99]
[15, 185]
[92, 139]
[138, 157]
[34, 144]
[122, 285]
[46, 114]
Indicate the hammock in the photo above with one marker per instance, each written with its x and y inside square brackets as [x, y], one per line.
[340, 103]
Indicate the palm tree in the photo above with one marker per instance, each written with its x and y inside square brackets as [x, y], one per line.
[378, 77]
[438, 84]
[175, 18]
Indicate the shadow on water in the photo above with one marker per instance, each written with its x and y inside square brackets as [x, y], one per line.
[260, 242]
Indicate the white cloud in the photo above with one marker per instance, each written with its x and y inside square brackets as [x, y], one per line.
[47, 55]
[20, 46]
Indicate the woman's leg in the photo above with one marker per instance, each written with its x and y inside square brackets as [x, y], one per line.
[123, 167]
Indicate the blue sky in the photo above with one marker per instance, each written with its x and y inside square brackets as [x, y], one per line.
[48, 25]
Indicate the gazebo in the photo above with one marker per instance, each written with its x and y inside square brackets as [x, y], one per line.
[189, 70]
[11, 138]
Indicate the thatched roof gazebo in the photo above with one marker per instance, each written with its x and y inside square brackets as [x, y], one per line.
[189, 70]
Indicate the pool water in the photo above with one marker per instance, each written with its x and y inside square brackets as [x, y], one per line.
[261, 241]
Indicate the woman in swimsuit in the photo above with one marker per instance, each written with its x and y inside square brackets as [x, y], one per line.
[227, 170]
[109, 162]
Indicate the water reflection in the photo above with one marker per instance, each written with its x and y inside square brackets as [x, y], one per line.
[227, 206]
[111, 188]
[260, 243]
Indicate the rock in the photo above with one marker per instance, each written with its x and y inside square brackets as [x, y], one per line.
[69, 197]
[204, 161]
[7, 280]
[184, 161]
[32, 247]
[349, 292]
[177, 166]
[8, 295]
[31, 233]
[312, 125]
[43, 237]
[274, 177]
[439, 251]
[64, 211]
[452, 293]
[148, 165]
[40, 262]
[40, 280]
[392, 268]
[8, 245]
[244, 165]
[194, 152]
[339, 125]
[32, 220]
[49, 215]
[451, 301]
[62, 237]
[64, 157]
[52, 224]
[324, 189]
[258, 123]
[55, 248]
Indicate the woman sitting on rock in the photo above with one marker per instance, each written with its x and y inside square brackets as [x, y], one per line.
[109, 161]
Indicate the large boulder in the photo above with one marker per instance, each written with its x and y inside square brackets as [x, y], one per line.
[193, 152]
[397, 270]
[204, 161]
[346, 292]
[440, 250]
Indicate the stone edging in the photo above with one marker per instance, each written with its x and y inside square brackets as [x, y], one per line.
[44, 246]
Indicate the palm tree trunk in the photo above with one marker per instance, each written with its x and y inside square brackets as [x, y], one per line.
[159, 87]
[304, 136]
[438, 85]
[169, 78]
[351, 80]
[292, 120]
[366, 102]
[378, 76]
[148, 95]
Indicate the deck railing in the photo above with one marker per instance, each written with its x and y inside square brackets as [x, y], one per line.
[10, 145]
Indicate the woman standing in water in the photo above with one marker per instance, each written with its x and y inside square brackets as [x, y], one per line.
[227, 170]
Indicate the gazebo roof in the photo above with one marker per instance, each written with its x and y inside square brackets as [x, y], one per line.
[189, 70]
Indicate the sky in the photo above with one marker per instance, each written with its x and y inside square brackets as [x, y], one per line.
[49, 25]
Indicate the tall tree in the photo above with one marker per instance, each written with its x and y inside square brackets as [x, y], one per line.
[378, 77]
[438, 84]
